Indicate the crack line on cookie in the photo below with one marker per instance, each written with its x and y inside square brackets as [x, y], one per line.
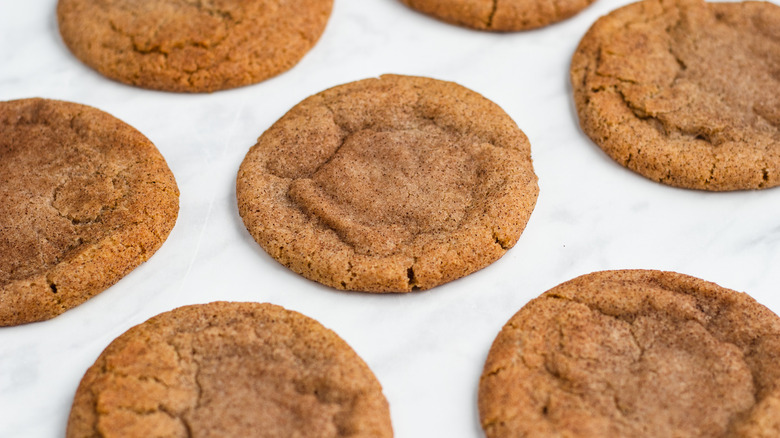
[489, 21]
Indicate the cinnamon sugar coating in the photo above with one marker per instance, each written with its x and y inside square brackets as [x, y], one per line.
[685, 92]
[191, 45]
[635, 353]
[85, 199]
[388, 185]
[229, 369]
[499, 16]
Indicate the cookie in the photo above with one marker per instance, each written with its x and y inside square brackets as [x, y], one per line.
[685, 92]
[85, 199]
[388, 185]
[231, 370]
[191, 46]
[506, 15]
[635, 353]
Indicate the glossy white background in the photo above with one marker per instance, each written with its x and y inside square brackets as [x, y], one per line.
[426, 348]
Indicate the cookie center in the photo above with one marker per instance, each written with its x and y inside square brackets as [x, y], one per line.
[82, 199]
[278, 406]
[382, 188]
[654, 374]
[163, 26]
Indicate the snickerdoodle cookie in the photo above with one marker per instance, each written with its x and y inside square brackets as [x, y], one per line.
[685, 92]
[229, 370]
[635, 353]
[504, 15]
[388, 185]
[85, 199]
[191, 45]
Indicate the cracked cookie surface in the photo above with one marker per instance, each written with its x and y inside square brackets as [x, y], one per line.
[85, 199]
[500, 16]
[685, 92]
[635, 353]
[229, 369]
[191, 45]
[388, 185]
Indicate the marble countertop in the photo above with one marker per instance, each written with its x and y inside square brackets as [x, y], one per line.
[426, 348]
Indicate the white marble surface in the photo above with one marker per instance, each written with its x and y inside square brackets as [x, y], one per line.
[427, 349]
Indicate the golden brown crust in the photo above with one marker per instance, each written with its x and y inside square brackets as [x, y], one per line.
[635, 353]
[86, 198]
[388, 184]
[683, 92]
[229, 369]
[191, 45]
[500, 15]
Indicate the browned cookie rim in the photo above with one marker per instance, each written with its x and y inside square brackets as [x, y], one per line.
[514, 395]
[709, 154]
[503, 16]
[314, 248]
[213, 47]
[161, 362]
[127, 230]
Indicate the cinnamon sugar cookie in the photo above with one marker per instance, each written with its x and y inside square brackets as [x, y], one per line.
[188, 45]
[504, 15]
[685, 92]
[229, 370]
[635, 353]
[85, 199]
[388, 185]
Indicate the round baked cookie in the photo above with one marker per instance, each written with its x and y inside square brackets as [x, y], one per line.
[685, 92]
[189, 45]
[504, 15]
[229, 370]
[85, 199]
[388, 185]
[635, 353]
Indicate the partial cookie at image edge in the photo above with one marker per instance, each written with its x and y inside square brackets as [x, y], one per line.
[88, 198]
[622, 353]
[504, 16]
[677, 92]
[191, 47]
[229, 369]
